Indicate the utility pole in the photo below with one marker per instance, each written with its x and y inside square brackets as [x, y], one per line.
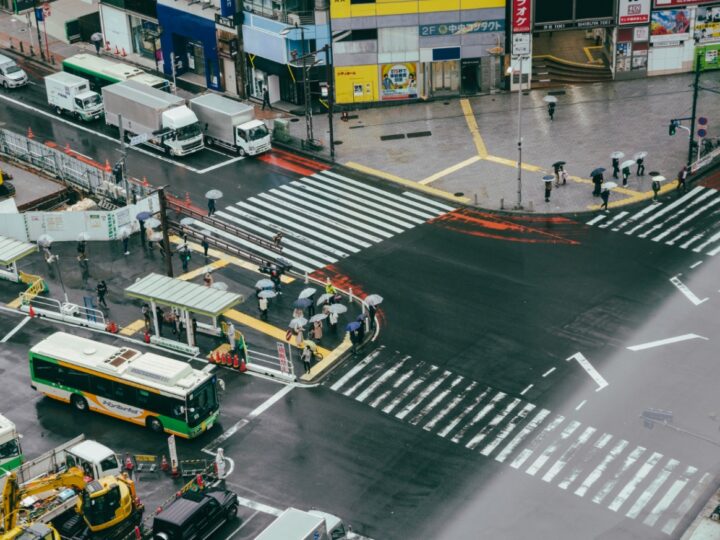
[166, 236]
[331, 97]
[123, 160]
[696, 88]
[308, 97]
[519, 205]
[240, 64]
[37, 24]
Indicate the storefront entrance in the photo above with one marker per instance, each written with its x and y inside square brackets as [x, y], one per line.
[445, 77]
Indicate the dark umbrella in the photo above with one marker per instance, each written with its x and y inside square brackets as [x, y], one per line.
[142, 216]
[302, 303]
[548, 178]
[558, 164]
[353, 326]
[597, 172]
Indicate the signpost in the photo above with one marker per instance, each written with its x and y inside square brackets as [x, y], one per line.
[139, 139]
[282, 358]
[172, 451]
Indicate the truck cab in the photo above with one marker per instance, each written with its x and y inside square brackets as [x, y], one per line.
[195, 515]
[184, 135]
[10, 450]
[253, 138]
[88, 105]
[96, 460]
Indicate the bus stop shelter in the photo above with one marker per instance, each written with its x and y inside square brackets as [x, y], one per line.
[11, 251]
[186, 299]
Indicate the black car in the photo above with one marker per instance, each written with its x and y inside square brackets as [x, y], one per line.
[195, 515]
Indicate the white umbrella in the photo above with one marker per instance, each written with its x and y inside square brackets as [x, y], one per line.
[267, 294]
[617, 155]
[609, 185]
[374, 300]
[83, 237]
[156, 237]
[264, 284]
[640, 155]
[44, 240]
[550, 99]
[298, 322]
[187, 221]
[317, 317]
[627, 163]
[214, 194]
[307, 293]
[152, 222]
[97, 36]
[324, 298]
[337, 308]
[220, 286]
[124, 232]
[659, 178]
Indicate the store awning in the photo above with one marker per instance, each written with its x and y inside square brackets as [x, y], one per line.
[183, 295]
[12, 250]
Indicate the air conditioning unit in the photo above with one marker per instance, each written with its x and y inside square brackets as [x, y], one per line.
[293, 19]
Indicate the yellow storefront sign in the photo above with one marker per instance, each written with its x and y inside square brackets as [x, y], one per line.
[343, 9]
[356, 84]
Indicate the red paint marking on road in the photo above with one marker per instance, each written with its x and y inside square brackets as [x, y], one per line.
[302, 160]
[344, 282]
[711, 181]
[545, 219]
[271, 159]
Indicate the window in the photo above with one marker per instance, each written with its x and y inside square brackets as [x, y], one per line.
[9, 449]
[359, 35]
[42, 369]
[362, 1]
[109, 464]
[102, 387]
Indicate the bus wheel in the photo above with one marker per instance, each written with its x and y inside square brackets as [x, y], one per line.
[155, 425]
[79, 402]
[232, 512]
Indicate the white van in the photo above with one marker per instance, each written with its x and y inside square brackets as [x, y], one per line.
[11, 75]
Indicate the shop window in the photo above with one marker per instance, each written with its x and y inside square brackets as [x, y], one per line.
[359, 35]
[362, 1]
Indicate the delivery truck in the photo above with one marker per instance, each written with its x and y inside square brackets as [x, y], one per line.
[71, 94]
[294, 524]
[161, 120]
[231, 124]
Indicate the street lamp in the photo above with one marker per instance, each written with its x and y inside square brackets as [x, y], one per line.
[305, 82]
[511, 72]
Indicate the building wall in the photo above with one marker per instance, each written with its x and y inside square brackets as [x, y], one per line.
[116, 27]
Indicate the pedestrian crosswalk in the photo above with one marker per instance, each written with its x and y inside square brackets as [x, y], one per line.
[690, 222]
[324, 218]
[609, 471]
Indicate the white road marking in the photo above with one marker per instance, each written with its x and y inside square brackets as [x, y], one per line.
[399, 382]
[434, 403]
[587, 366]
[409, 390]
[479, 437]
[422, 395]
[649, 493]
[580, 406]
[455, 421]
[384, 377]
[692, 240]
[566, 456]
[686, 291]
[686, 505]
[596, 219]
[536, 442]
[509, 428]
[601, 468]
[260, 507]
[610, 484]
[636, 216]
[632, 485]
[350, 391]
[552, 447]
[667, 341]
[218, 165]
[243, 524]
[690, 217]
[433, 202]
[664, 503]
[590, 456]
[714, 252]
[479, 416]
[527, 430]
[446, 410]
[666, 209]
[549, 371]
[12, 332]
[528, 387]
[696, 264]
[615, 219]
[350, 374]
[707, 242]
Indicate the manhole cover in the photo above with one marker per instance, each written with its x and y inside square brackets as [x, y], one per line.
[419, 134]
[446, 103]
[294, 119]
[338, 142]
[459, 194]
[556, 93]
[392, 137]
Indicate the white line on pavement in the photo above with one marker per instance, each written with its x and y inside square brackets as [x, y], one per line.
[218, 165]
[534, 423]
[601, 468]
[12, 332]
[686, 291]
[260, 507]
[528, 387]
[243, 524]
[696, 264]
[583, 402]
[667, 341]
[350, 374]
[552, 447]
[587, 366]
[549, 371]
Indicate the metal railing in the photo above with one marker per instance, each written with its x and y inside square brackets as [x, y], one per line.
[280, 15]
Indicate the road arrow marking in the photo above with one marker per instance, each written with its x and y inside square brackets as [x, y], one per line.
[687, 292]
[602, 383]
[666, 341]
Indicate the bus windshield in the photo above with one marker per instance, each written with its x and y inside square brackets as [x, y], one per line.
[201, 403]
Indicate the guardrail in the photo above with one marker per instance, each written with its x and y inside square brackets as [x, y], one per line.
[63, 311]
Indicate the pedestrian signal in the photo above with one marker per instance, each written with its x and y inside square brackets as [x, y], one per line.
[673, 127]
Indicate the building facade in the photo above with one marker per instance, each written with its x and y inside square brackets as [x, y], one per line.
[132, 25]
[396, 50]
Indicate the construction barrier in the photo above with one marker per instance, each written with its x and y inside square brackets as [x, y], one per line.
[146, 463]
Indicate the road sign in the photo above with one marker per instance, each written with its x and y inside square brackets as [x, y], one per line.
[520, 44]
[139, 139]
[172, 450]
[702, 121]
[702, 133]
[282, 357]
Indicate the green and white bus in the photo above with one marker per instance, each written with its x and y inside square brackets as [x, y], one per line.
[11, 456]
[143, 388]
[102, 72]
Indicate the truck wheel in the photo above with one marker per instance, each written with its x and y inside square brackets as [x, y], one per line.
[79, 402]
[241, 151]
[209, 141]
[5, 85]
[232, 512]
[155, 425]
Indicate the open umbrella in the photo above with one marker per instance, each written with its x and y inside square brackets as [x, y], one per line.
[353, 326]
[597, 171]
[83, 237]
[609, 185]
[152, 222]
[267, 294]
[317, 317]
[156, 237]
[187, 221]
[214, 194]
[124, 232]
[373, 299]
[302, 303]
[45, 240]
[323, 298]
[627, 163]
[142, 216]
[550, 99]
[298, 322]
[220, 286]
[617, 155]
[559, 163]
[97, 36]
[265, 284]
[307, 293]
[659, 178]
[548, 178]
[337, 308]
[640, 155]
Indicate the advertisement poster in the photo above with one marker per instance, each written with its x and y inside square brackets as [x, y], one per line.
[521, 16]
[659, 4]
[634, 11]
[707, 25]
[670, 25]
[398, 81]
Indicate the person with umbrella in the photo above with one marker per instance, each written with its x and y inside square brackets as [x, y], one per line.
[605, 196]
[682, 177]
[211, 196]
[97, 39]
[557, 168]
[317, 329]
[656, 187]
[102, 290]
[615, 166]
[263, 307]
[205, 246]
[640, 161]
[548, 181]
[597, 179]
[551, 110]
[626, 170]
[211, 207]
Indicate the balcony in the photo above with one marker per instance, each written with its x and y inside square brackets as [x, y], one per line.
[281, 12]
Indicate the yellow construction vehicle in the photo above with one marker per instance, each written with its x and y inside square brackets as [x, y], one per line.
[104, 508]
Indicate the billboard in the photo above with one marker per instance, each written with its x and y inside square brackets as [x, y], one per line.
[707, 25]
[659, 4]
[634, 12]
[521, 20]
[398, 81]
[670, 25]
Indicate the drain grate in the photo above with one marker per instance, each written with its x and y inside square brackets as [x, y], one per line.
[557, 93]
[416, 134]
[392, 137]
[356, 127]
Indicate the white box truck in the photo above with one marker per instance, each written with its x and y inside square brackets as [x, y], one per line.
[294, 524]
[231, 124]
[71, 94]
[163, 118]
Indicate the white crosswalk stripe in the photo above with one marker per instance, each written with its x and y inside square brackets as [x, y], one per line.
[689, 222]
[324, 218]
[561, 451]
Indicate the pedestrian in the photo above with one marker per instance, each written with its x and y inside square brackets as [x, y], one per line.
[597, 182]
[185, 258]
[317, 331]
[98, 44]
[640, 166]
[142, 232]
[126, 244]
[211, 207]
[564, 175]
[171, 318]
[361, 328]
[656, 189]
[297, 313]
[311, 307]
[266, 99]
[82, 251]
[231, 335]
[548, 190]
[49, 257]
[682, 177]
[330, 289]
[625, 175]
[277, 239]
[149, 235]
[102, 290]
[333, 320]
[616, 166]
[146, 316]
[605, 196]
[275, 278]
[557, 168]
[263, 307]
[208, 279]
[205, 246]
[306, 356]
[371, 315]
[178, 324]
[354, 341]
[299, 338]
[160, 319]
[551, 110]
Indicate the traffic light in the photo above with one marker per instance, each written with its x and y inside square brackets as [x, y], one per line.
[673, 127]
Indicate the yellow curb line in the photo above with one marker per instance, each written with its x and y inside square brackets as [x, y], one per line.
[407, 183]
[327, 361]
[637, 197]
[450, 170]
[14, 304]
[590, 56]
[513, 163]
[220, 263]
[132, 328]
[473, 127]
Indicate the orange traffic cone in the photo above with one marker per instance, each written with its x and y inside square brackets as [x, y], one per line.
[107, 166]
[67, 148]
[116, 50]
[164, 465]
[236, 362]
[128, 463]
[146, 337]
[107, 45]
[243, 366]
[228, 359]
[31, 312]
[187, 198]
[145, 182]
[200, 481]
[123, 52]
[174, 472]
[30, 134]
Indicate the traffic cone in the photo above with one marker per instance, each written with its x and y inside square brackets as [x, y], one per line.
[146, 337]
[128, 463]
[174, 473]
[107, 45]
[31, 312]
[67, 148]
[236, 362]
[116, 50]
[30, 134]
[108, 168]
[228, 359]
[145, 182]
[138, 534]
[123, 53]
[164, 465]
[243, 366]
[200, 482]
[187, 198]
